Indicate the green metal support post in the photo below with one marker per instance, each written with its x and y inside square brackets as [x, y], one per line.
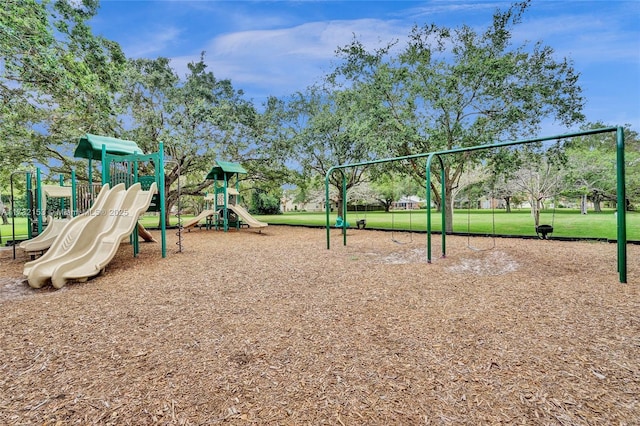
[621, 206]
[38, 202]
[327, 208]
[30, 207]
[344, 209]
[105, 166]
[74, 196]
[225, 211]
[443, 191]
[159, 169]
[134, 235]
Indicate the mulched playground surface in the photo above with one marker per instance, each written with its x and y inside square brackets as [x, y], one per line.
[273, 328]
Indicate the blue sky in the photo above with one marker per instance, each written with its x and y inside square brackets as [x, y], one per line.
[280, 47]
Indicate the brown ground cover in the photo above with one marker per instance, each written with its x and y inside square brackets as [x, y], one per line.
[272, 328]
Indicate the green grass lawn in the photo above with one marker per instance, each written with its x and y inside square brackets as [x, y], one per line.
[566, 222]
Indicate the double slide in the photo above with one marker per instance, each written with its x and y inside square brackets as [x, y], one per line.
[88, 242]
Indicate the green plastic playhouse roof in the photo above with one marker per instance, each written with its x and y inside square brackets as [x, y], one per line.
[90, 146]
[225, 168]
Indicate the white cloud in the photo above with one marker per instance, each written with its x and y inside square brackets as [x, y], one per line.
[286, 58]
[289, 59]
[448, 8]
[584, 38]
[152, 43]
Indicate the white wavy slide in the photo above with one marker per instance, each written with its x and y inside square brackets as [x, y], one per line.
[248, 219]
[195, 220]
[98, 242]
[69, 234]
[44, 240]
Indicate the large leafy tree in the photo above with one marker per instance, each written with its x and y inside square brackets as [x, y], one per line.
[389, 187]
[329, 128]
[57, 80]
[592, 166]
[199, 119]
[266, 156]
[459, 87]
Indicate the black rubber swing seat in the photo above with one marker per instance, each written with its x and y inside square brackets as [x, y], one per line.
[543, 230]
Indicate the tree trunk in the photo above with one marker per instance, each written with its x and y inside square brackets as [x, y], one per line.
[597, 203]
[169, 201]
[507, 201]
[583, 204]
[535, 211]
[435, 197]
[449, 210]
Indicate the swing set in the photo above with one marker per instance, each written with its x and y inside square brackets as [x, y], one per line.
[493, 225]
[439, 155]
[361, 222]
[543, 231]
[393, 230]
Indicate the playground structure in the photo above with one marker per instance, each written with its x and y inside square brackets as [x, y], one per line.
[82, 246]
[222, 210]
[208, 214]
[59, 203]
[89, 242]
[621, 189]
[229, 213]
[68, 199]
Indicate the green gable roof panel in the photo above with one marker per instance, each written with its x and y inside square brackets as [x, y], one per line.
[90, 146]
[227, 168]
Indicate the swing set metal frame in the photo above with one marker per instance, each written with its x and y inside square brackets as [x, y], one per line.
[438, 155]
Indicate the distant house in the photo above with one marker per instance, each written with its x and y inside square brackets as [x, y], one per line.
[411, 202]
[290, 206]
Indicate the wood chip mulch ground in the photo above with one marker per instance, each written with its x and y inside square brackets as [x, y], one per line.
[272, 328]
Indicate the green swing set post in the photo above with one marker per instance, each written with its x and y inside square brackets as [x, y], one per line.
[621, 206]
[443, 192]
[344, 209]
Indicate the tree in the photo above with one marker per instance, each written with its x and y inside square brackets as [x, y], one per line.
[540, 178]
[457, 88]
[328, 128]
[264, 203]
[57, 80]
[199, 119]
[474, 177]
[269, 153]
[506, 190]
[391, 186]
[592, 166]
